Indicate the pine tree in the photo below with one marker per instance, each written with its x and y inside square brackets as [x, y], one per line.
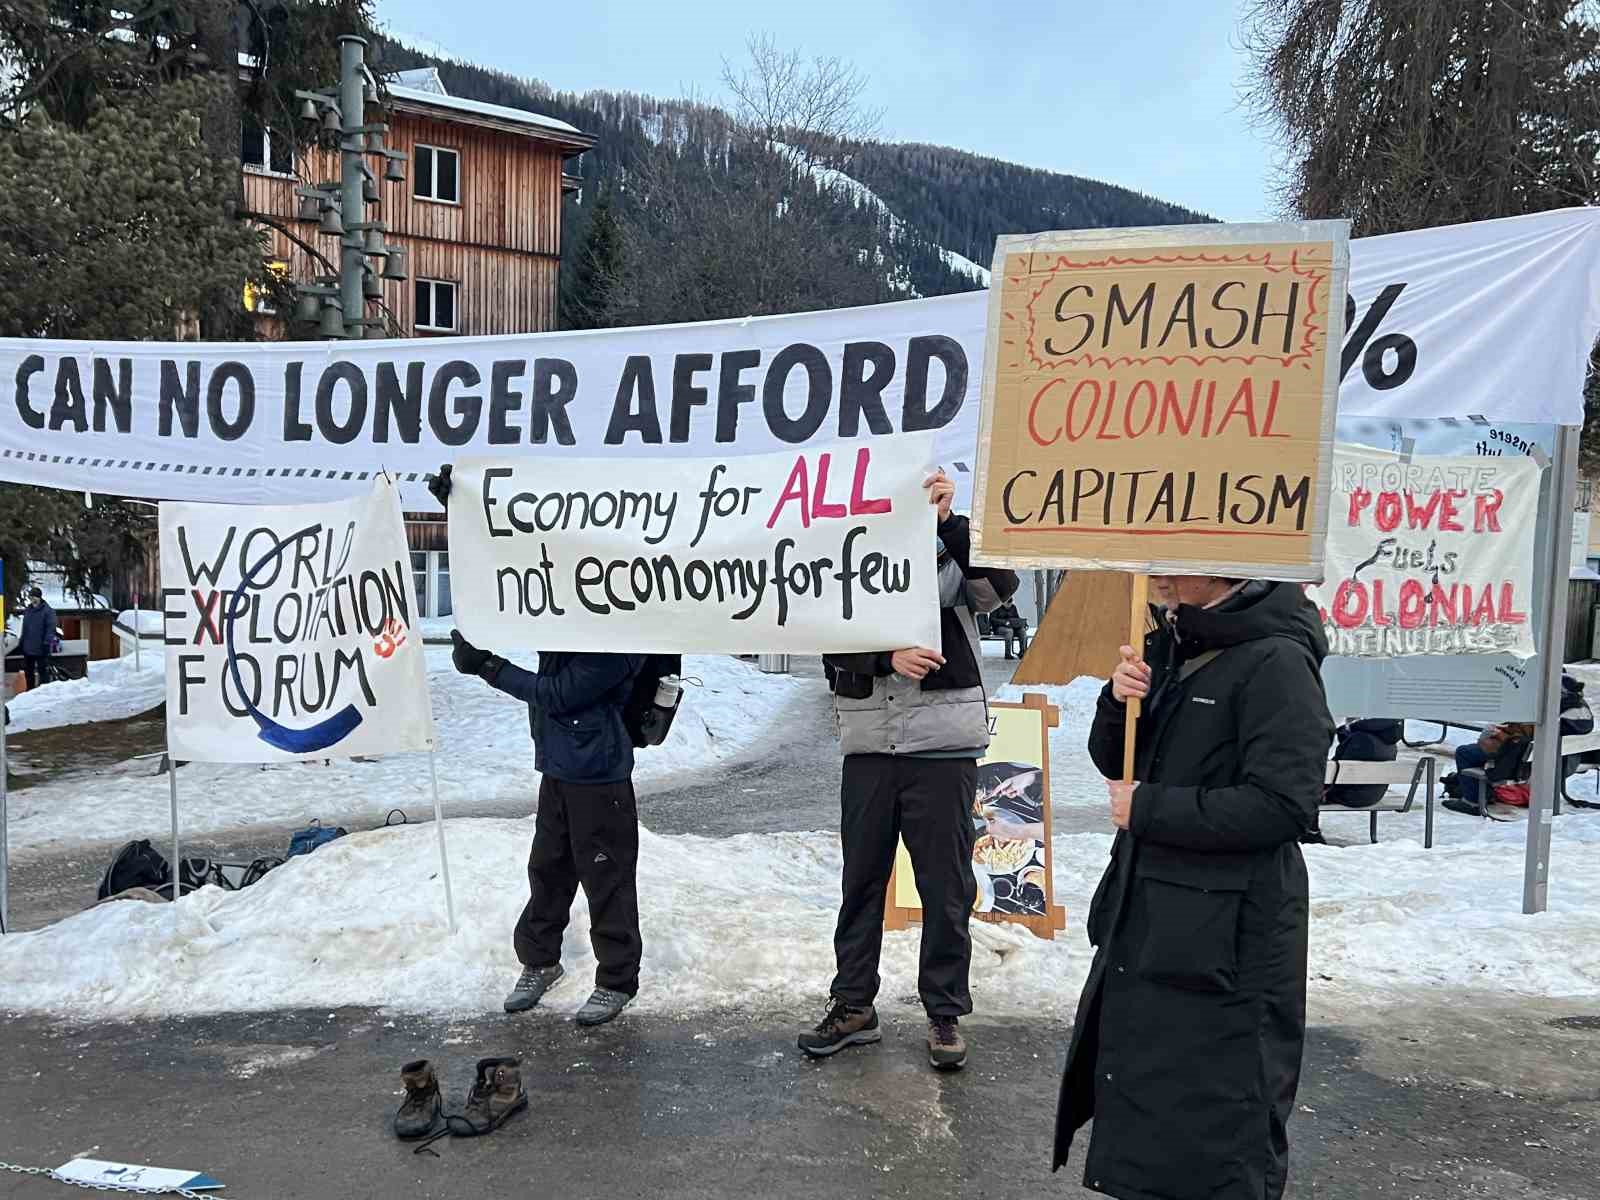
[1406, 114]
[592, 288]
[120, 185]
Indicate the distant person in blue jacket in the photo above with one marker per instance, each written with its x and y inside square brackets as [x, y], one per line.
[586, 832]
[38, 634]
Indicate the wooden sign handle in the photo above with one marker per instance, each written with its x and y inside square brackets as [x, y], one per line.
[1138, 619]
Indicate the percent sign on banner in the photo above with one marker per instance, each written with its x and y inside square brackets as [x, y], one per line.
[1372, 351]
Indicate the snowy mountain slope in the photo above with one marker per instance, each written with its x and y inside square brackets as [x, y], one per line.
[831, 179]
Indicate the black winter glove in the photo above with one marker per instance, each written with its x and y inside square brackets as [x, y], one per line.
[439, 487]
[469, 660]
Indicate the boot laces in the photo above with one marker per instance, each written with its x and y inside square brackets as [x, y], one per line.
[838, 1010]
[944, 1030]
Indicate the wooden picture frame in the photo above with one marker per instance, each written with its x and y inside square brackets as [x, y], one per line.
[902, 907]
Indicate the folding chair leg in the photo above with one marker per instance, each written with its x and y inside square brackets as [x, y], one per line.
[1374, 828]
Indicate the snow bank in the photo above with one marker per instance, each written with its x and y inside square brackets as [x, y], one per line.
[112, 690]
[747, 922]
[485, 756]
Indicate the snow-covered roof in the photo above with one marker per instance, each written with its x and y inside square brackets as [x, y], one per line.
[423, 79]
[419, 97]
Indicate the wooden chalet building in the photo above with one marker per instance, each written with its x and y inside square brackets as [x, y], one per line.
[479, 216]
[479, 213]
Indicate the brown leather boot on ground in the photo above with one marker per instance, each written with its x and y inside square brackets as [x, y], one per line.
[947, 1050]
[495, 1096]
[420, 1112]
[845, 1025]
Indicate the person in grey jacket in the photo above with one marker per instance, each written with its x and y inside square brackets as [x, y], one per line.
[912, 724]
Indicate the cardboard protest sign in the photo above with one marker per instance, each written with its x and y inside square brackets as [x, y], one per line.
[290, 631]
[1429, 556]
[809, 551]
[1162, 400]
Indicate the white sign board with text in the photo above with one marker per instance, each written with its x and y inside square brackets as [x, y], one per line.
[821, 550]
[1429, 555]
[291, 631]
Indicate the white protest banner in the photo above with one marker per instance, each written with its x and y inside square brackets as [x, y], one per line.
[1429, 556]
[290, 631]
[1493, 318]
[826, 550]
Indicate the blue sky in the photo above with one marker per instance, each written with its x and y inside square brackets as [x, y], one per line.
[1142, 94]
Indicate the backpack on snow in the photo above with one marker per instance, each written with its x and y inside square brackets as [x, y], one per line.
[653, 702]
[137, 864]
[304, 841]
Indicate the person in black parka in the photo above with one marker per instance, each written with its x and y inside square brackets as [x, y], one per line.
[1187, 1043]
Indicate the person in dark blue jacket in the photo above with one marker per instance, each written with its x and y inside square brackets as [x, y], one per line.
[586, 831]
[587, 828]
[38, 632]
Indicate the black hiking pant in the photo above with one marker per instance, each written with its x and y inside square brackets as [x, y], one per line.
[33, 666]
[588, 834]
[928, 802]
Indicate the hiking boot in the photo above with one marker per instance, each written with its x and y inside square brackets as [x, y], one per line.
[495, 1096]
[531, 986]
[843, 1026]
[947, 1050]
[420, 1112]
[602, 1005]
[1465, 807]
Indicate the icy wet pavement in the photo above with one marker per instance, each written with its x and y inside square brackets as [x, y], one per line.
[296, 1104]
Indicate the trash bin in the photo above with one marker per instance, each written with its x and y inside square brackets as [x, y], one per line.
[773, 664]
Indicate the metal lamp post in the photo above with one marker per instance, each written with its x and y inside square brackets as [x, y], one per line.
[338, 305]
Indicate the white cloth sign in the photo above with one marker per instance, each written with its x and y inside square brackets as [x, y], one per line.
[99, 1175]
[291, 631]
[1493, 318]
[1431, 556]
[822, 550]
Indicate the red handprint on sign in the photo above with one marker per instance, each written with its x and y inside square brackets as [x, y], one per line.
[392, 638]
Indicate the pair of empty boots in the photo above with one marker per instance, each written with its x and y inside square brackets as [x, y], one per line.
[496, 1095]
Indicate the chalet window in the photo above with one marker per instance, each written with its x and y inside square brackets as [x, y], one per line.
[263, 150]
[436, 305]
[435, 174]
[430, 577]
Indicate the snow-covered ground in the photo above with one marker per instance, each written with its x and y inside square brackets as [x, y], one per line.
[113, 689]
[748, 921]
[147, 622]
[484, 755]
[745, 921]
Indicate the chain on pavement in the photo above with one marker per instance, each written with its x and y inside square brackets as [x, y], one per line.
[126, 1189]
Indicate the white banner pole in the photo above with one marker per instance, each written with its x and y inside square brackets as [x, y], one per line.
[438, 824]
[5, 836]
[1552, 624]
[177, 861]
